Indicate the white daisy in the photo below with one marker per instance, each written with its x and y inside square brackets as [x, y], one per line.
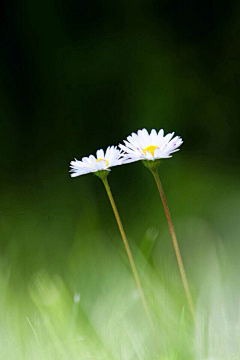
[93, 164]
[145, 146]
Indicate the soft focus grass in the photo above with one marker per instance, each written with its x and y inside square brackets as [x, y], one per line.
[67, 291]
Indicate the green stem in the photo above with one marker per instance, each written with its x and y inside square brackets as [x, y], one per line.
[130, 257]
[175, 242]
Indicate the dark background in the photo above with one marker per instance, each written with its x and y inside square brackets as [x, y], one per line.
[80, 75]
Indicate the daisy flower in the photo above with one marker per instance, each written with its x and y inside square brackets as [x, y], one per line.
[145, 146]
[151, 148]
[100, 165]
[93, 164]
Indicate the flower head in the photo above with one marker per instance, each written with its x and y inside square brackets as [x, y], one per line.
[153, 146]
[93, 164]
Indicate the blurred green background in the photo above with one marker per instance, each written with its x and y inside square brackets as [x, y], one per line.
[76, 76]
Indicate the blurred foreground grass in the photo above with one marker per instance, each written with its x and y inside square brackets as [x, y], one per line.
[67, 291]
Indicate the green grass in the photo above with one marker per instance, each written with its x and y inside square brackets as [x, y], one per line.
[59, 244]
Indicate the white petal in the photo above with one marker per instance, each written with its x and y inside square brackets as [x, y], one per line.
[86, 161]
[130, 146]
[160, 136]
[126, 149]
[149, 155]
[146, 137]
[100, 154]
[154, 137]
[138, 141]
[107, 153]
[157, 153]
[92, 160]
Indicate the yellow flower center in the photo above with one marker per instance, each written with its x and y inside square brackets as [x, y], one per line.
[107, 163]
[151, 149]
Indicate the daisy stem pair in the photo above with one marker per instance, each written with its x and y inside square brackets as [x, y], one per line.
[154, 171]
[130, 257]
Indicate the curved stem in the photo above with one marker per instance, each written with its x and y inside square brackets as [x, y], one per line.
[175, 242]
[130, 257]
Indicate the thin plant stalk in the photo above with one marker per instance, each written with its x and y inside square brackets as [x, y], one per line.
[175, 242]
[130, 257]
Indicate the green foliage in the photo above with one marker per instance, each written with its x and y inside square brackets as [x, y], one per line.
[67, 291]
